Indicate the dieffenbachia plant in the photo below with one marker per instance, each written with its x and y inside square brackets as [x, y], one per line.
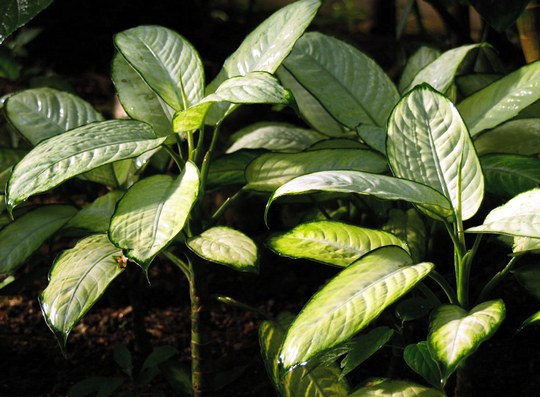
[443, 159]
[160, 82]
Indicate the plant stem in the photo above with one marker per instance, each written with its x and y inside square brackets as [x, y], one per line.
[439, 279]
[223, 207]
[208, 156]
[175, 156]
[185, 268]
[497, 279]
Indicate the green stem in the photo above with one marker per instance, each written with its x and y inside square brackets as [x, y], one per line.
[484, 294]
[222, 208]
[448, 290]
[208, 155]
[466, 270]
[191, 146]
[183, 266]
[175, 156]
[233, 302]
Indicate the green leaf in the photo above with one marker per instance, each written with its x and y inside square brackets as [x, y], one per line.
[20, 239]
[270, 171]
[429, 143]
[364, 346]
[414, 308]
[470, 83]
[9, 157]
[166, 61]
[419, 359]
[15, 13]
[226, 246]
[418, 61]
[254, 87]
[61, 157]
[529, 277]
[534, 319]
[508, 175]
[526, 244]
[441, 72]
[332, 243]
[122, 357]
[518, 217]
[139, 101]
[499, 14]
[456, 333]
[515, 136]
[230, 168]
[409, 228]
[309, 381]
[373, 136]
[158, 356]
[78, 278]
[347, 83]
[278, 137]
[338, 143]
[349, 302]
[152, 213]
[501, 100]
[96, 216]
[100, 386]
[265, 48]
[396, 388]
[380, 186]
[311, 110]
[42, 113]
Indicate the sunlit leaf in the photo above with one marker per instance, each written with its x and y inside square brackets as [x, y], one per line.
[20, 239]
[456, 333]
[534, 319]
[166, 61]
[226, 246]
[441, 72]
[518, 217]
[61, 157]
[364, 183]
[270, 171]
[418, 61]
[429, 143]
[152, 213]
[409, 227]
[78, 278]
[333, 243]
[515, 136]
[280, 137]
[508, 175]
[526, 244]
[419, 359]
[309, 381]
[349, 302]
[347, 83]
[396, 388]
[501, 100]
[15, 13]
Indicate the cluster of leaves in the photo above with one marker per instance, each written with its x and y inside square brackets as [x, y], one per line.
[367, 140]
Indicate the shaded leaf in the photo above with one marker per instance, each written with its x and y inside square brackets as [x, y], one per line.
[470, 83]
[349, 302]
[226, 246]
[415, 308]
[409, 227]
[230, 169]
[515, 136]
[419, 359]
[122, 357]
[395, 388]
[499, 14]
[96, 216]
[373, 136]
[418, 61]
[508, 175]
[20, 239]
[455, 333]
[158, 356]
[15, 13]
[529, 277]
[78, 278]
[333, 243]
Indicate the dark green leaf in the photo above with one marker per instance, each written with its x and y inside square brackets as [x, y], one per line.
[419, 359]
[15, 13]
[529, 276]
[508, 175]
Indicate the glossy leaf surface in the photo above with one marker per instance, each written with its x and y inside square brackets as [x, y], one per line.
[166, 61]
[348, 84]
[396, 388]
[364, 183]
[418, 61]
[502, 100]
[16, 13]
[61, 157]
[419, 359]
[270, 171]
[332, 243]
[226, 246]
[515, 136]
[320, 381]
[21, 238]
[278, 137]
[456, 333]
[78, 278]
[441, 72]
[152, 213]
[429, 143]
[518, 217]
[349, 302]
[139, 101]
[508, 175]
